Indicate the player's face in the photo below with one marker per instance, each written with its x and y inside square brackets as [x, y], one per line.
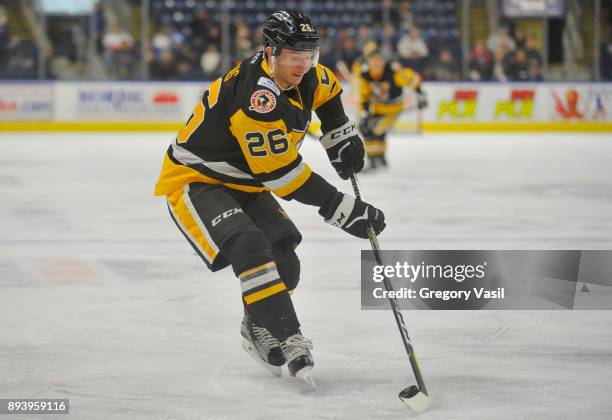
[376, 63]
[291, 66]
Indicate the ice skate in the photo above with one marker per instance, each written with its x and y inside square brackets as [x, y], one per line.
[262, 346]
[299, 360]
[375, 164]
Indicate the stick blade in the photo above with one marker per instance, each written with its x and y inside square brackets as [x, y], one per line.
[415, 399]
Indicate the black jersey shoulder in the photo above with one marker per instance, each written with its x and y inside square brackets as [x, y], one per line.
[386, 76]
[256, 94]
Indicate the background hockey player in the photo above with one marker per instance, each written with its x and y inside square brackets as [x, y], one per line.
[381, 101]
[240, 143]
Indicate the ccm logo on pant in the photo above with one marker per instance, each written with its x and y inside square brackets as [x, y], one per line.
[214, 222]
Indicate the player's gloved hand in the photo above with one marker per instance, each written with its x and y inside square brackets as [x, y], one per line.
[353, 216]
[421, 98]
[345, 149]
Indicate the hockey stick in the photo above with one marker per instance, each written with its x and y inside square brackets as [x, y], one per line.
[414, 396]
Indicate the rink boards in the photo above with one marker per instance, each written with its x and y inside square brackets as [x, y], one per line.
[161, 106]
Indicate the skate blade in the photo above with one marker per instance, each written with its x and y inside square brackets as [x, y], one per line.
[304, 374]
[415, 399]
[273, 370]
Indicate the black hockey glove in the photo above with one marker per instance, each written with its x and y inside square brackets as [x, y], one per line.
[344, 149]
[421, 98]
[353, 216]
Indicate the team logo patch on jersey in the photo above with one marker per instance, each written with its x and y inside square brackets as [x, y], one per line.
[262, 101]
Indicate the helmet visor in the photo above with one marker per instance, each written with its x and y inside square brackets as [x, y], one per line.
[297, 58]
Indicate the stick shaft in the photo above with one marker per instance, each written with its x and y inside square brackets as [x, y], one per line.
[397, 313]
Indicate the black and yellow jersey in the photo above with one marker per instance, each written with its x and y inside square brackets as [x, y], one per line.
[382, 93]
[245, 132]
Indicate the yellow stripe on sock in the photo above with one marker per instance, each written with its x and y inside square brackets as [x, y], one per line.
[262, 294]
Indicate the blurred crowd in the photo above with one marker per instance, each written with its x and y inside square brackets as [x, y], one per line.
[194, 52]
[507, 55]
[17, 58]
[420, 34]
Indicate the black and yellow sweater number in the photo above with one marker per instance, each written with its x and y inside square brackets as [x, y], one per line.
[277, 143]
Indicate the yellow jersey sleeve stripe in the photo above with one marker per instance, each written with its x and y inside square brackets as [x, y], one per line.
[262, 267]
[327, 88]
[267, 292]
[213, 95]
[296, 183]
[405, 77]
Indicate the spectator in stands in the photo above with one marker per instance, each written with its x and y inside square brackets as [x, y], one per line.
[5, 36]
[162, 40]
[445, 67]
[168, 38]
[481, 62]
[164, 68]
[412, 46]
[518, 66]
[214, 35]
[532, 50]
[501, 38]
[211, 62]
[499, 65]
[405, 17]
[118, 45]
[535, 72]
[363, 37]
[117, 39]
[100, 24]
[20, 65]
[243, 46]
[347, 55]
[519, 39]
[390, 34]
[186, 71]
[184, 53]
[326, 49]
[199, 30]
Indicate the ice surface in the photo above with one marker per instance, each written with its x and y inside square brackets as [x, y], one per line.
[103, 302]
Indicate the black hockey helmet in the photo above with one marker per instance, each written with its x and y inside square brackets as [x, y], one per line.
[292, 30]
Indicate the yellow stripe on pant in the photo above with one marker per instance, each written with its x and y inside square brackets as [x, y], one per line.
[384, 124]
[190, 223]
[375, 147]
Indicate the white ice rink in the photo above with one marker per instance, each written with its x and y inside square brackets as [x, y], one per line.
[103, 302]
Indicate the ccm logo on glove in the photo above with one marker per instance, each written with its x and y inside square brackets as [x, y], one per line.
[344, 149]
[344, 132]
[353, 216]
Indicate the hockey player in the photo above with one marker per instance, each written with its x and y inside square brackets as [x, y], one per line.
[239, 145]
[381, 101]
